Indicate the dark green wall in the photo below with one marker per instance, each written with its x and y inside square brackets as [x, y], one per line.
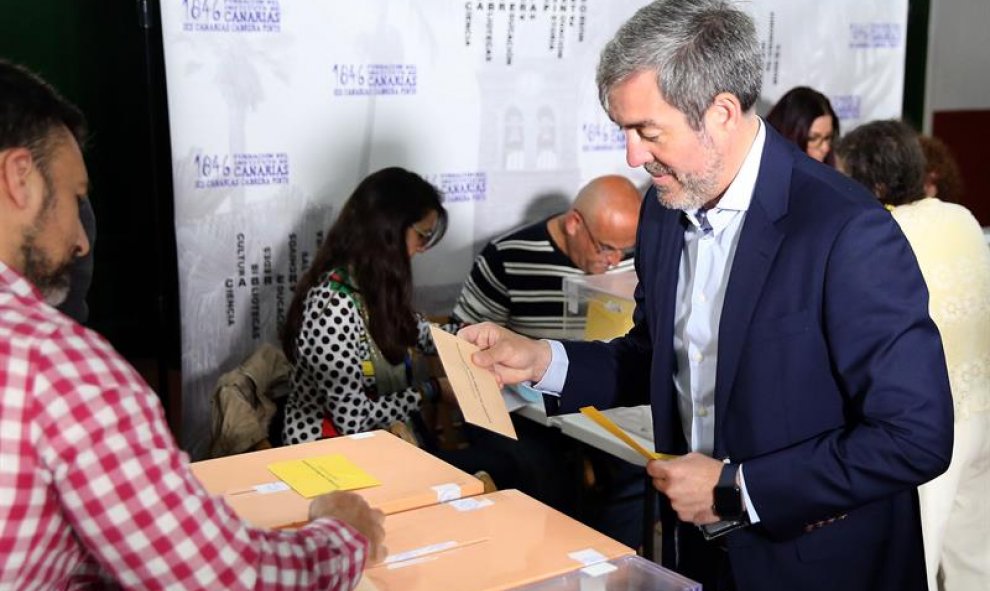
[915, 62]
[95, 54]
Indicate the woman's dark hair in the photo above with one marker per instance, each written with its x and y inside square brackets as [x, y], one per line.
[941, 168]
[794, 113]
[886, 157]
[369, 240]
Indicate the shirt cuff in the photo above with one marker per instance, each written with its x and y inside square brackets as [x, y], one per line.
[553, 378]
[750, 509]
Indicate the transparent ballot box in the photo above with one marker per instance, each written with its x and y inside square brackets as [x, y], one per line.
[632, 573]
[599, 307]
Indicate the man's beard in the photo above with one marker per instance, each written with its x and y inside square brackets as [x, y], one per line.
[695, 189]
[52, 279]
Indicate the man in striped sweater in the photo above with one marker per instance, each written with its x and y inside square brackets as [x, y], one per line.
[517, 280]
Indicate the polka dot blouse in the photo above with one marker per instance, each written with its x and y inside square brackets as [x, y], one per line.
[327, 379]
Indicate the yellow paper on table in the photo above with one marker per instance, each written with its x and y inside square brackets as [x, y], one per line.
[316, 476]
[596, 415]
[608, 318]
[476, 390]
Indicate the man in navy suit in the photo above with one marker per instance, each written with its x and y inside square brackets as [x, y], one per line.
[781, 335]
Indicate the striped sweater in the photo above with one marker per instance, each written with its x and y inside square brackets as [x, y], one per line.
[517, 282]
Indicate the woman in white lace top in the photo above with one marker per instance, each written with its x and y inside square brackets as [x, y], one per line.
[955, 261]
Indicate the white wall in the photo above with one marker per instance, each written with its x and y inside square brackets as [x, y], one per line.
[958, 76]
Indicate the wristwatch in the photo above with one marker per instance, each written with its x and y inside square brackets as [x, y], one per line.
[728, 503]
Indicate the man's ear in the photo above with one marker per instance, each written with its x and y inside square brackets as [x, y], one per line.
[571, 223]
[16, 165]
[724, 113]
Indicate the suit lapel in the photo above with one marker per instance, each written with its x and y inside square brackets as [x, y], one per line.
[664, 263]
[759, 240]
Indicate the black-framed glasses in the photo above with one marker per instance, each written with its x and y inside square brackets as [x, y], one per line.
[817, 141]
[601, 247]
[429, 237]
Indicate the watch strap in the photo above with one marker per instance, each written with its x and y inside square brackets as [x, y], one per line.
[727, 478]
[728, 494]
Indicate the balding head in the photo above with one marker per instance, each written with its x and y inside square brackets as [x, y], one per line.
[601, 224]
[611, 203]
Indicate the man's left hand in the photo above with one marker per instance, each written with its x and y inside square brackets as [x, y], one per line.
[688, 482]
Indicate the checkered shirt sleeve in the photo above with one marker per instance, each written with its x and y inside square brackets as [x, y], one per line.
[92, 484]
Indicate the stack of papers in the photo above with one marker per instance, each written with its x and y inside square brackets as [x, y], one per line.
[312, 477]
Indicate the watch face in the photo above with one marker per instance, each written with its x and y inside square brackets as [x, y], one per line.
[728, 502]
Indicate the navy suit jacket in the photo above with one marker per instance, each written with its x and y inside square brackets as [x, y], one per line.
[831, 387]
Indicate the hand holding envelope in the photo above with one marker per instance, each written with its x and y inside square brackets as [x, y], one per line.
[476, 389]
[686, 505]
[512, 357]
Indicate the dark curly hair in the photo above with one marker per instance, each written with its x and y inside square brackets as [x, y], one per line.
[886, 157]
[941, 169]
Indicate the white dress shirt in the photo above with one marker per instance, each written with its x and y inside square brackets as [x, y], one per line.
[701, 281]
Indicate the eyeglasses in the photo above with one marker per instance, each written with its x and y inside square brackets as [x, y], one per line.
[429, 237]
[816, 141]
[601, 247]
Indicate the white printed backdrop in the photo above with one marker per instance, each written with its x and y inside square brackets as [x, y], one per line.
[278, 108]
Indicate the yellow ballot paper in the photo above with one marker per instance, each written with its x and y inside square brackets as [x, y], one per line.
[595, 415]
[476, 390]
[316, 476]
[608, 318]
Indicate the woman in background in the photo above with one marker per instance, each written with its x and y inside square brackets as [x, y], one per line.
[351, 330]
[955, 507]
[942, 177]
[805, 117]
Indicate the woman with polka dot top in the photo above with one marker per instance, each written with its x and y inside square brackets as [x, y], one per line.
[351, 330]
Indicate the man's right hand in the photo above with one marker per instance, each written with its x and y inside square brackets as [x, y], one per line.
[354, 511]
[513, 358]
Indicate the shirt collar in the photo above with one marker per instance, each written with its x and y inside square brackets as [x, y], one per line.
[12, 281]
[739, 193]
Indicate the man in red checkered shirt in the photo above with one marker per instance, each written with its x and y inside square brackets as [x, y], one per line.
[93, 491]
